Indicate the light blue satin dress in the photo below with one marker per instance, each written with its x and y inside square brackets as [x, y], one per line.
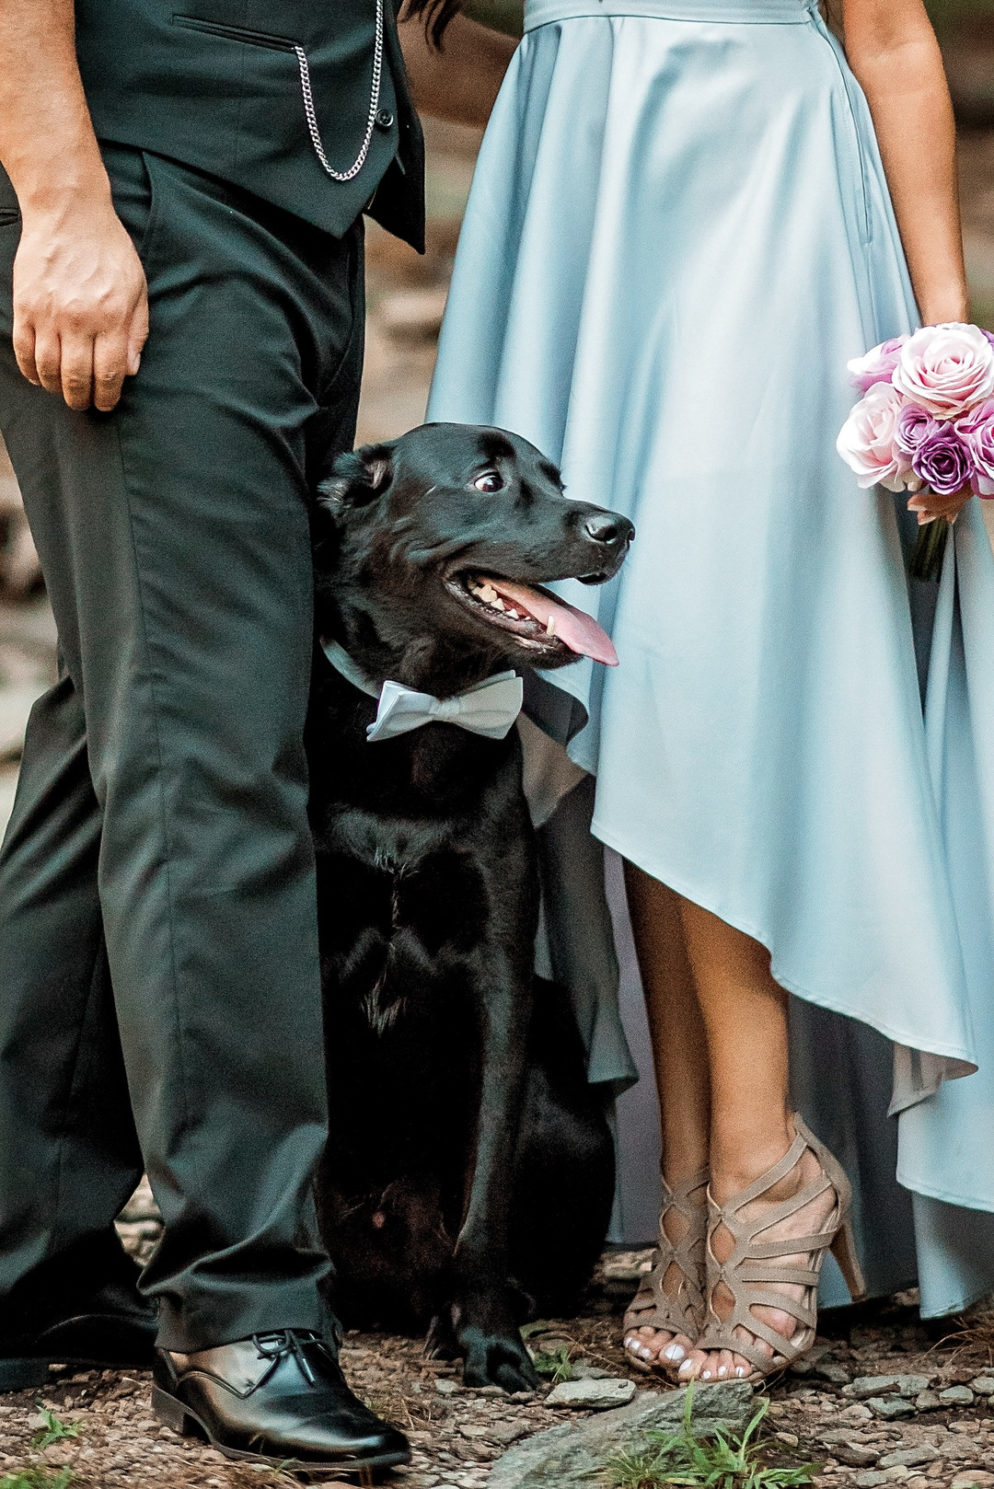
[678, 233]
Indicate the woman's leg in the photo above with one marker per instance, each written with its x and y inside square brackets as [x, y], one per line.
[744, 1014]
[680, 1058]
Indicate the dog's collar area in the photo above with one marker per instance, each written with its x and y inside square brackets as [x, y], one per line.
[489, 708]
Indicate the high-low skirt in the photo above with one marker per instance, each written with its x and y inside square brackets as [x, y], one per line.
[678, 233]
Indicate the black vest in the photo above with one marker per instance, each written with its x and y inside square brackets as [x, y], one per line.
[217, 84]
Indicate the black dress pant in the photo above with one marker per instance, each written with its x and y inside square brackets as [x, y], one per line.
[159, 978]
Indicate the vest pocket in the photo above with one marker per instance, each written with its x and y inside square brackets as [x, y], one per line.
[236, 33]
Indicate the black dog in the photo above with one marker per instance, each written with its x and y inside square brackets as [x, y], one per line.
[441, 1047]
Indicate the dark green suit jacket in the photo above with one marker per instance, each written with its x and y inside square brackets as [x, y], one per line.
[216, 84]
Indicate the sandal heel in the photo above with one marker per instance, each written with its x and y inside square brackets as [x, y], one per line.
[172, 1413]
[844, 1250]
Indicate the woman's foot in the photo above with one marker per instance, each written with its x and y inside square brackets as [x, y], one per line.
[662, 1324]
[804, 1196]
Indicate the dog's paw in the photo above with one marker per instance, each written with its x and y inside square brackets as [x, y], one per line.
[498, 1360]
[440, 1342]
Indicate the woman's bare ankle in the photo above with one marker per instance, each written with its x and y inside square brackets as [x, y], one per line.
[735, 1164]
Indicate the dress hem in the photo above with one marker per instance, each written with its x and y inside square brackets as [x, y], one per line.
[738, 923]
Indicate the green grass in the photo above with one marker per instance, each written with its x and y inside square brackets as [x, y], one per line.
[719, 1462]
[53, 1431]
[555, 1365]
[38, 1477]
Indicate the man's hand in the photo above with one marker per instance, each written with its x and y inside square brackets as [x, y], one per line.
[80, 304]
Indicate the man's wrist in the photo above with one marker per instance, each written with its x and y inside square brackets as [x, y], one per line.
[52, 190]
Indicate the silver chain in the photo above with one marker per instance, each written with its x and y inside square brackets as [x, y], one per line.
[374, 105]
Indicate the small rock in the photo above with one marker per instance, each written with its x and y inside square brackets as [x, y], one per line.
[973, 1478]
[492, 1392]
[855, 1454]
[865, 1386]
[446, 1387]
[910, 1457]
[870, 1480]
[983, 1385]
[910, 1386]
[890, 1408]
[583, 1370]
[599, 1394]
[870, 1385]
[956, 1396]
[833, 1372]
[928, 1401]
[790, 1439]
[507, 1432]
[474, 1432]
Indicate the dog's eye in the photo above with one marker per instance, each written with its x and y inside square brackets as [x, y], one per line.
[491, 480]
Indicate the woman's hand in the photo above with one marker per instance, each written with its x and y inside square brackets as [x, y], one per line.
[930, 506]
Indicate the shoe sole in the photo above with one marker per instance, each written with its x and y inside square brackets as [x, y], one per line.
[186, 1423]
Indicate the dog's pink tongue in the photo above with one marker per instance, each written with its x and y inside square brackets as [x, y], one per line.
[575, 629]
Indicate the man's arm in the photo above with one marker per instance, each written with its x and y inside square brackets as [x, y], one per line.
[80, 303]
[461, 81]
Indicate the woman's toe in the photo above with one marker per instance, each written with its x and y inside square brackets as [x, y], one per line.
[725, 1364]
[691, 1367]
[646, 1344]
[677, 1350]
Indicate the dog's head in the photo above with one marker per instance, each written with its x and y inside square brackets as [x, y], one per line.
[445, 536]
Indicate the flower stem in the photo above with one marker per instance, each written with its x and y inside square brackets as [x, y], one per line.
[926, 560]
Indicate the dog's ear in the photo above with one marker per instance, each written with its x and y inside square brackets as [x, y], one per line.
[357, 478]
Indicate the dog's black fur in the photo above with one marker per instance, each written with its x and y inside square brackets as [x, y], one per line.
[441, 1047]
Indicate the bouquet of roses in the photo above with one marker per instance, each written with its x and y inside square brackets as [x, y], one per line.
[925, 421]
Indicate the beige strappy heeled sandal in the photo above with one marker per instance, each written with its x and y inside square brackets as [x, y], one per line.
[751, 1274]
[680, 1312]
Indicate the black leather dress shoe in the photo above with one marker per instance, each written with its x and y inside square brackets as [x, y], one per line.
[274, 1398]
[111, 1327]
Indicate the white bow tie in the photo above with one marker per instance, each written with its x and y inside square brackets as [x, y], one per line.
[489, 708]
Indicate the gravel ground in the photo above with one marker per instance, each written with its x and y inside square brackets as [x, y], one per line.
[883, 1399]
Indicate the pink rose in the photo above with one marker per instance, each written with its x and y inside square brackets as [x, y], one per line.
[877, 366]
[866, 441]
[977, 433]
[946, 369]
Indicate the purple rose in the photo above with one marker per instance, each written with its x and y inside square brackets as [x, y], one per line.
[877, 365]
[914, 425]
[977, 433]
[943, 461]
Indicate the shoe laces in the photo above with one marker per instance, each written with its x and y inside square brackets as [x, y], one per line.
[282, 1343]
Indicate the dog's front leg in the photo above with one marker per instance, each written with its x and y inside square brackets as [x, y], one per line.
[482, 1310]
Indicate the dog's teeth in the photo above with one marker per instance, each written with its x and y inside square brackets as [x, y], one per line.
[497, 604]
[550, 626]
[515, 614]
[487, 592]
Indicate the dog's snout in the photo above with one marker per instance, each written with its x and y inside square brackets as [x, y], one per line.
[608, 528]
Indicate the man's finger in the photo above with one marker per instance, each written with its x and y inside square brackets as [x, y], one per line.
[24, 348]
[138, 334]
[48, 361]
[110, 361]
[77, 371]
